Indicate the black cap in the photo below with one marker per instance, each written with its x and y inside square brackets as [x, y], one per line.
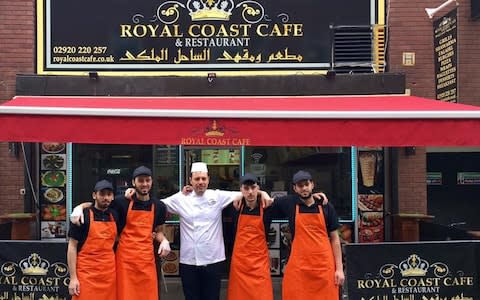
[103, 185]
[301, 176]
[248, 178]
[142, 170]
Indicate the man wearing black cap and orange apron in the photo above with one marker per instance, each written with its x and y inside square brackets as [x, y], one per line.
[250, 266]
[138, 219]
[314, 269]
[90, 256]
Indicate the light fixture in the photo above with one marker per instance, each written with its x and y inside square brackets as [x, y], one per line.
[432, 11]
[331, 74]
[93, 75]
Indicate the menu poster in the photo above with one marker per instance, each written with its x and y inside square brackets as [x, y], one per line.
[274, 262]
[370, 172]
[445, 54]
[370, 200]
[434, 178]
[53, 180]
[274, 236]
[285, 245]
[170, 265]
[468, 178]
[345, 232]
[221, 156]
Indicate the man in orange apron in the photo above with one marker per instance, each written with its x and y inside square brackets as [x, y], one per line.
[314, 269]
[250, 268]
[138, 219]
[90, 255]
[136, 269]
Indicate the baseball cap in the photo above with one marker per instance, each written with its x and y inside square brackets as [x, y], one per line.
[301, 176]
[103, 185]
[142, 170]
[199, 167]
[248, 178]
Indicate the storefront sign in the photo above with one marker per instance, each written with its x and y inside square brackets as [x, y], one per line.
[413, 271]
[468, 178]
[191, 35]
[33, 270]
[445, 46]
[434, 178]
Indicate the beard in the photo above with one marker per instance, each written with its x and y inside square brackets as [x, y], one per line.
[305, 197]
[140, 192]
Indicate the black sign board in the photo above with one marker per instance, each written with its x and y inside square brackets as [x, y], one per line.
[475, 9]
[191, 35]
[413, 271]
[445, 49]
[33, 270]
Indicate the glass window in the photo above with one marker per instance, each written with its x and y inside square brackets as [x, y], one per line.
[112, 162]
[329, 166]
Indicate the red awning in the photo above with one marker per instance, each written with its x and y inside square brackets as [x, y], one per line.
[380, 120]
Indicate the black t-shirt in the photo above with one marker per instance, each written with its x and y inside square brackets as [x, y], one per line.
[286, 207]
[120, 205]
[267, 215]
[80, 232]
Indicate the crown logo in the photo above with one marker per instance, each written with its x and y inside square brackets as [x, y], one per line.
[210, 10]
[214, 130]
[414, 266]
[34, 265]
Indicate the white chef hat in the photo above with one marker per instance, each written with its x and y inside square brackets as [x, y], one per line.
[199, 167]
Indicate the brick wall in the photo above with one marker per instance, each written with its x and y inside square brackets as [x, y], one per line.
[17, 28]
[410, 30]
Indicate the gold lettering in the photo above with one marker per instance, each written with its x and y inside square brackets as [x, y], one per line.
[280, 30]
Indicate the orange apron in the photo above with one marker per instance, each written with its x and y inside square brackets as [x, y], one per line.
[136, 270]
[310, 271]
[250, 268]
[96, 261]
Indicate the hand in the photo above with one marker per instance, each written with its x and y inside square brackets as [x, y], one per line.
[164, 248]
[320, 196]
[77, 215]
[237, 202]
[266, 199]
[339, 277]
[74, 287]
[129, 193]
[187, 189]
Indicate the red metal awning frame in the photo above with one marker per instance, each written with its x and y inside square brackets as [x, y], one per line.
[374, 120]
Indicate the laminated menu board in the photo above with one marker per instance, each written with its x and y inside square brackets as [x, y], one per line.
[52, 185]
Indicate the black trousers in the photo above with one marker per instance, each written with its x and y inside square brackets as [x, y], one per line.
[201, 282]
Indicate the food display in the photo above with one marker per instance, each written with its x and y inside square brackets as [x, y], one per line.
[53, 229]
[53, 179]
[54, 212]
[370, 202]
[345, 233]
[170, 263]
[53, 161]
[53, 195]
[371, 227]
[53, 147]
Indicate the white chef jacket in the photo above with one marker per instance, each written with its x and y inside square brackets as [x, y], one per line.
[201, 230]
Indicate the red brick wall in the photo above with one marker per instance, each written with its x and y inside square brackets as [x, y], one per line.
[17, 33]
[410, 30]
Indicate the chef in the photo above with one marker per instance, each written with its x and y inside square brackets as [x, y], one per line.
[90, 256]
[202, 250]
[250, 267]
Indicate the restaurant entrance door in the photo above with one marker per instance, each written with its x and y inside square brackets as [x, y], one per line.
[224, 169]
